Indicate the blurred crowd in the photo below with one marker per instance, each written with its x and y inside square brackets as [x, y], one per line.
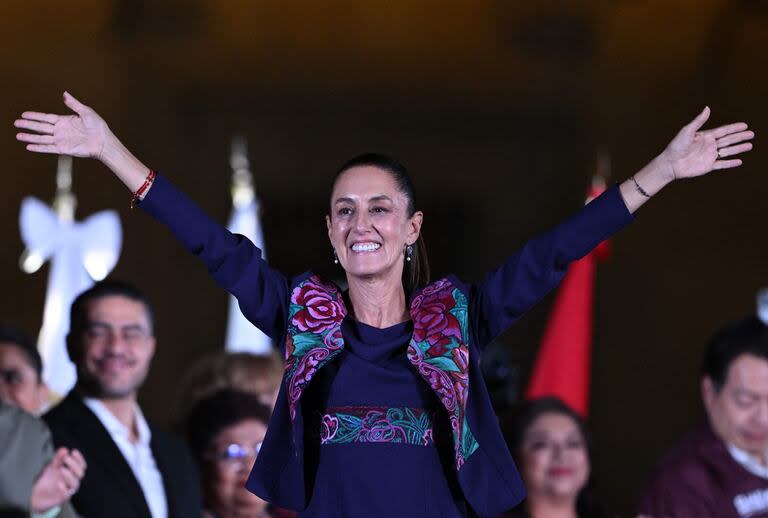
[94, 453]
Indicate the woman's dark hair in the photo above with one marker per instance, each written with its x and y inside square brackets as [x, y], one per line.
[221, 410]
[747, 336]
[530, 411]
[415, 271]
[15, 336]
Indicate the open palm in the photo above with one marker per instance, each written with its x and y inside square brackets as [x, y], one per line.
[82, 134]
[694, 153]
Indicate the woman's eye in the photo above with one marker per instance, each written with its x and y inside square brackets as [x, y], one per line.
[379, 210]
[345, 211]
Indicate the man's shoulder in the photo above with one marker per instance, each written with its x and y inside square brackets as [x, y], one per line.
[169, 446]
[698, 456]
[67, 411]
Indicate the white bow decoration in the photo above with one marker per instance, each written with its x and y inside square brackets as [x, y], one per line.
[80, 253]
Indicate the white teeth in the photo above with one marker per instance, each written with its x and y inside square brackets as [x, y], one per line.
[365, 247]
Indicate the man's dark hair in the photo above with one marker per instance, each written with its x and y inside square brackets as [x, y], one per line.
[78, 313]
[747, 336]
[15, 336]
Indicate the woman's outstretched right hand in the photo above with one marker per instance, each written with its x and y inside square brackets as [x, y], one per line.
[83, 134]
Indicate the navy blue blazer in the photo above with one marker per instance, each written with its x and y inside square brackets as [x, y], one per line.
[486, 472]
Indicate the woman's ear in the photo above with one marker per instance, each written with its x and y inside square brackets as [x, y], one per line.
[328, 224]
[415, 226]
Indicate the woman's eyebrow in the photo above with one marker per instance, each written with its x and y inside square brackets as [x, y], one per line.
[380, 197]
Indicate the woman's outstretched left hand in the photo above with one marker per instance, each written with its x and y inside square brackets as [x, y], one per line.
[694, 152]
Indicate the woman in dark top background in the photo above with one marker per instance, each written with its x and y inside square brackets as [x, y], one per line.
[396, 420]
[551, 445]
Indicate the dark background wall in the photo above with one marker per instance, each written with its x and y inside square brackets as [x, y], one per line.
[498, 107]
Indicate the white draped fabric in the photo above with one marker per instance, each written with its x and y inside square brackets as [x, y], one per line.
[241, 334]
[79, 254]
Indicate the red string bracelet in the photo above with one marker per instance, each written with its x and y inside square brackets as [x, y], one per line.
[147, 182]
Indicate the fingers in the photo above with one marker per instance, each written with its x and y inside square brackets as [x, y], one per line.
[71, 481]
[41, 127]
[734, 138]
[58, 457]
[78, 457]
[75, 463]
[700, 119]
[41, 117]
[43, 148]
[734, 150]
[34, 139]
[727, 129]
[726, 164]
[75, 105]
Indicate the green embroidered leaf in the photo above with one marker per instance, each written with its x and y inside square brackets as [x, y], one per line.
[461, 312]
[303, 342]
[350, 421]
[443, 363]
[468, 443]
[423, 346]
[293, 309]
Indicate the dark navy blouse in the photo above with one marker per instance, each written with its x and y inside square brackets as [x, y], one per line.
[370, 433]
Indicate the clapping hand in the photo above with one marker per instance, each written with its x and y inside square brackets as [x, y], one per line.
[58, 481]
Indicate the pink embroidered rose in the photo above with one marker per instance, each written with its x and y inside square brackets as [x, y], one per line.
[440, 348]
[432, 318]
[441, 383]
[461, 359]
[319, 311]
[330, 426]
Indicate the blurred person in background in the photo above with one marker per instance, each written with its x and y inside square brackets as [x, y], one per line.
[720, 469]
[34, 480]
[21, 370]
[375, 416]
[225, 431]
[551, 446]
[257, 374]
[135, 470]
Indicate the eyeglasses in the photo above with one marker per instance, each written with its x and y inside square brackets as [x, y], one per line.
[98, 332]
[237, 457]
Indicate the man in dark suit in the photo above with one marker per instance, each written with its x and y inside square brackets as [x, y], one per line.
[134, 469]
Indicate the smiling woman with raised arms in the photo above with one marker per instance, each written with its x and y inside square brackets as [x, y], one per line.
[382, 410]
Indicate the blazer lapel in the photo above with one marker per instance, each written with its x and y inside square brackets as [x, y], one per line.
[103, 451]
[314, 334]
[439, 350]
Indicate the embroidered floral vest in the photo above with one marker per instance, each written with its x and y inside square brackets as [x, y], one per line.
[439, 347]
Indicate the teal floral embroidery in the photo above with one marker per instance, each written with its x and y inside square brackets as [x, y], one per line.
[403, 425]
[314, 333]
[440, 352]
[438, 349]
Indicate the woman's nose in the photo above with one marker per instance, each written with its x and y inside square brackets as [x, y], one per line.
[362, 221]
